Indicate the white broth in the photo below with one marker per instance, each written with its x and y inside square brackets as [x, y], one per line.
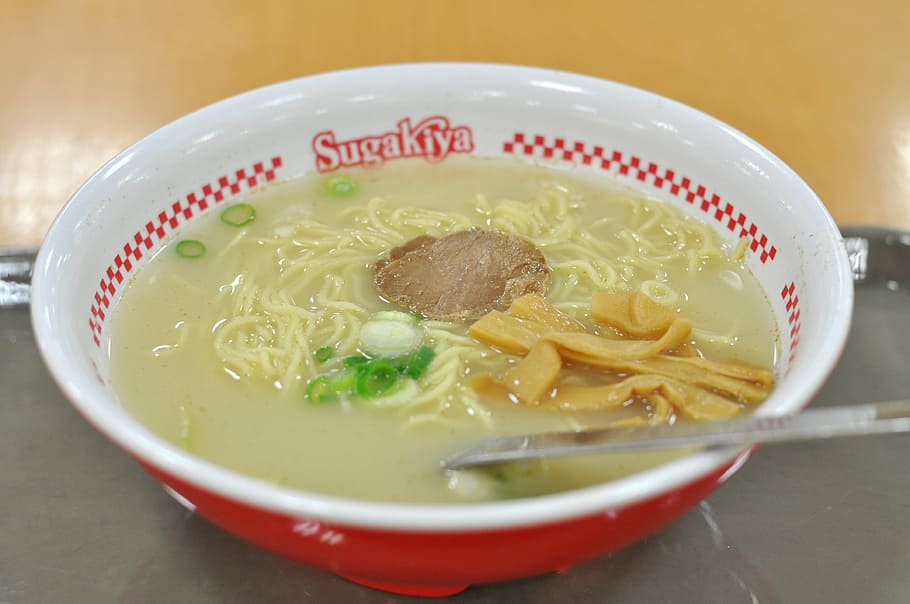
[216, 353]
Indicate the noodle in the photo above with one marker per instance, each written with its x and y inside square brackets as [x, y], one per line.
[268, 373]
[319, 295]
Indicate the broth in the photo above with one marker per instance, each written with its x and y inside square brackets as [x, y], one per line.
[185, 329]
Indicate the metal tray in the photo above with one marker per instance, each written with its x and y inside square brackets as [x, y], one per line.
[823, 522]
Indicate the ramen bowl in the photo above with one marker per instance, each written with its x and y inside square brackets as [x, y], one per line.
[150, 192]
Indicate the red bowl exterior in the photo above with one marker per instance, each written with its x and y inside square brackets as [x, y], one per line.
[444, 562]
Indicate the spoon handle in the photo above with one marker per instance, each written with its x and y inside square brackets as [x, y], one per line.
[826, 422]
[16, 266]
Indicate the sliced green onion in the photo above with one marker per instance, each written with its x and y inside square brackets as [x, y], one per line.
[390, 339]
[324, 353]
[397, 315]
[343, 382]
[400, 364]
[375, 378]
[190, 248]
[355, 360]
[401, 393]
[339, 184]
[238, 214]
[419, 362]
[321, 390]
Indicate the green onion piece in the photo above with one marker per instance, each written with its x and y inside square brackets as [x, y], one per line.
[402, 393]
[343, 382]
[418, 316]
[389, 339]
[355, 360]
[339, 185]
[375, 378]
[396, 315]
[400, 364]
[238, 214]
[320, 390]
[190, 248]
[324, 353]
[419, 362]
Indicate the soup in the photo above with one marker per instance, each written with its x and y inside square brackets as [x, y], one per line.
[263, 339]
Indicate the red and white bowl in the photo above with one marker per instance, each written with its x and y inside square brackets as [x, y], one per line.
[147, 193]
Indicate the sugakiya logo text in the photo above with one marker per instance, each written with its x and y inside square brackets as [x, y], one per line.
[432, 138]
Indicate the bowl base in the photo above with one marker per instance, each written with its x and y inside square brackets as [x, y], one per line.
[410, 589]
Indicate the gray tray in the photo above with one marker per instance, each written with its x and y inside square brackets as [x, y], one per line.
[823, 522]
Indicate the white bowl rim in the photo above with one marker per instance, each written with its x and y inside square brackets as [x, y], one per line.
[91, 400]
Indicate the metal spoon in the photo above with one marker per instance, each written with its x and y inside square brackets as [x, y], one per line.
[828, 422]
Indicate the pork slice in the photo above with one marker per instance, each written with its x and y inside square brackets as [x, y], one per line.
[463, 275]
[411, 245]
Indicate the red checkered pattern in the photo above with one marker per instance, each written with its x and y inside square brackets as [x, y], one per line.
[649, 173]
[791, 303]
[167, 220]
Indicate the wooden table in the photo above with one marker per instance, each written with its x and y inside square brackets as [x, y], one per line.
[824, 85]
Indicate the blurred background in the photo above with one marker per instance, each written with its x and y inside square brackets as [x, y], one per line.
[824, 85]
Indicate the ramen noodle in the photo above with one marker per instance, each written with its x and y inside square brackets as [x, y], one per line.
[258, 339]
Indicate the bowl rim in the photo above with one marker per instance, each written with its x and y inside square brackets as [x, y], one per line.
[91, 400]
